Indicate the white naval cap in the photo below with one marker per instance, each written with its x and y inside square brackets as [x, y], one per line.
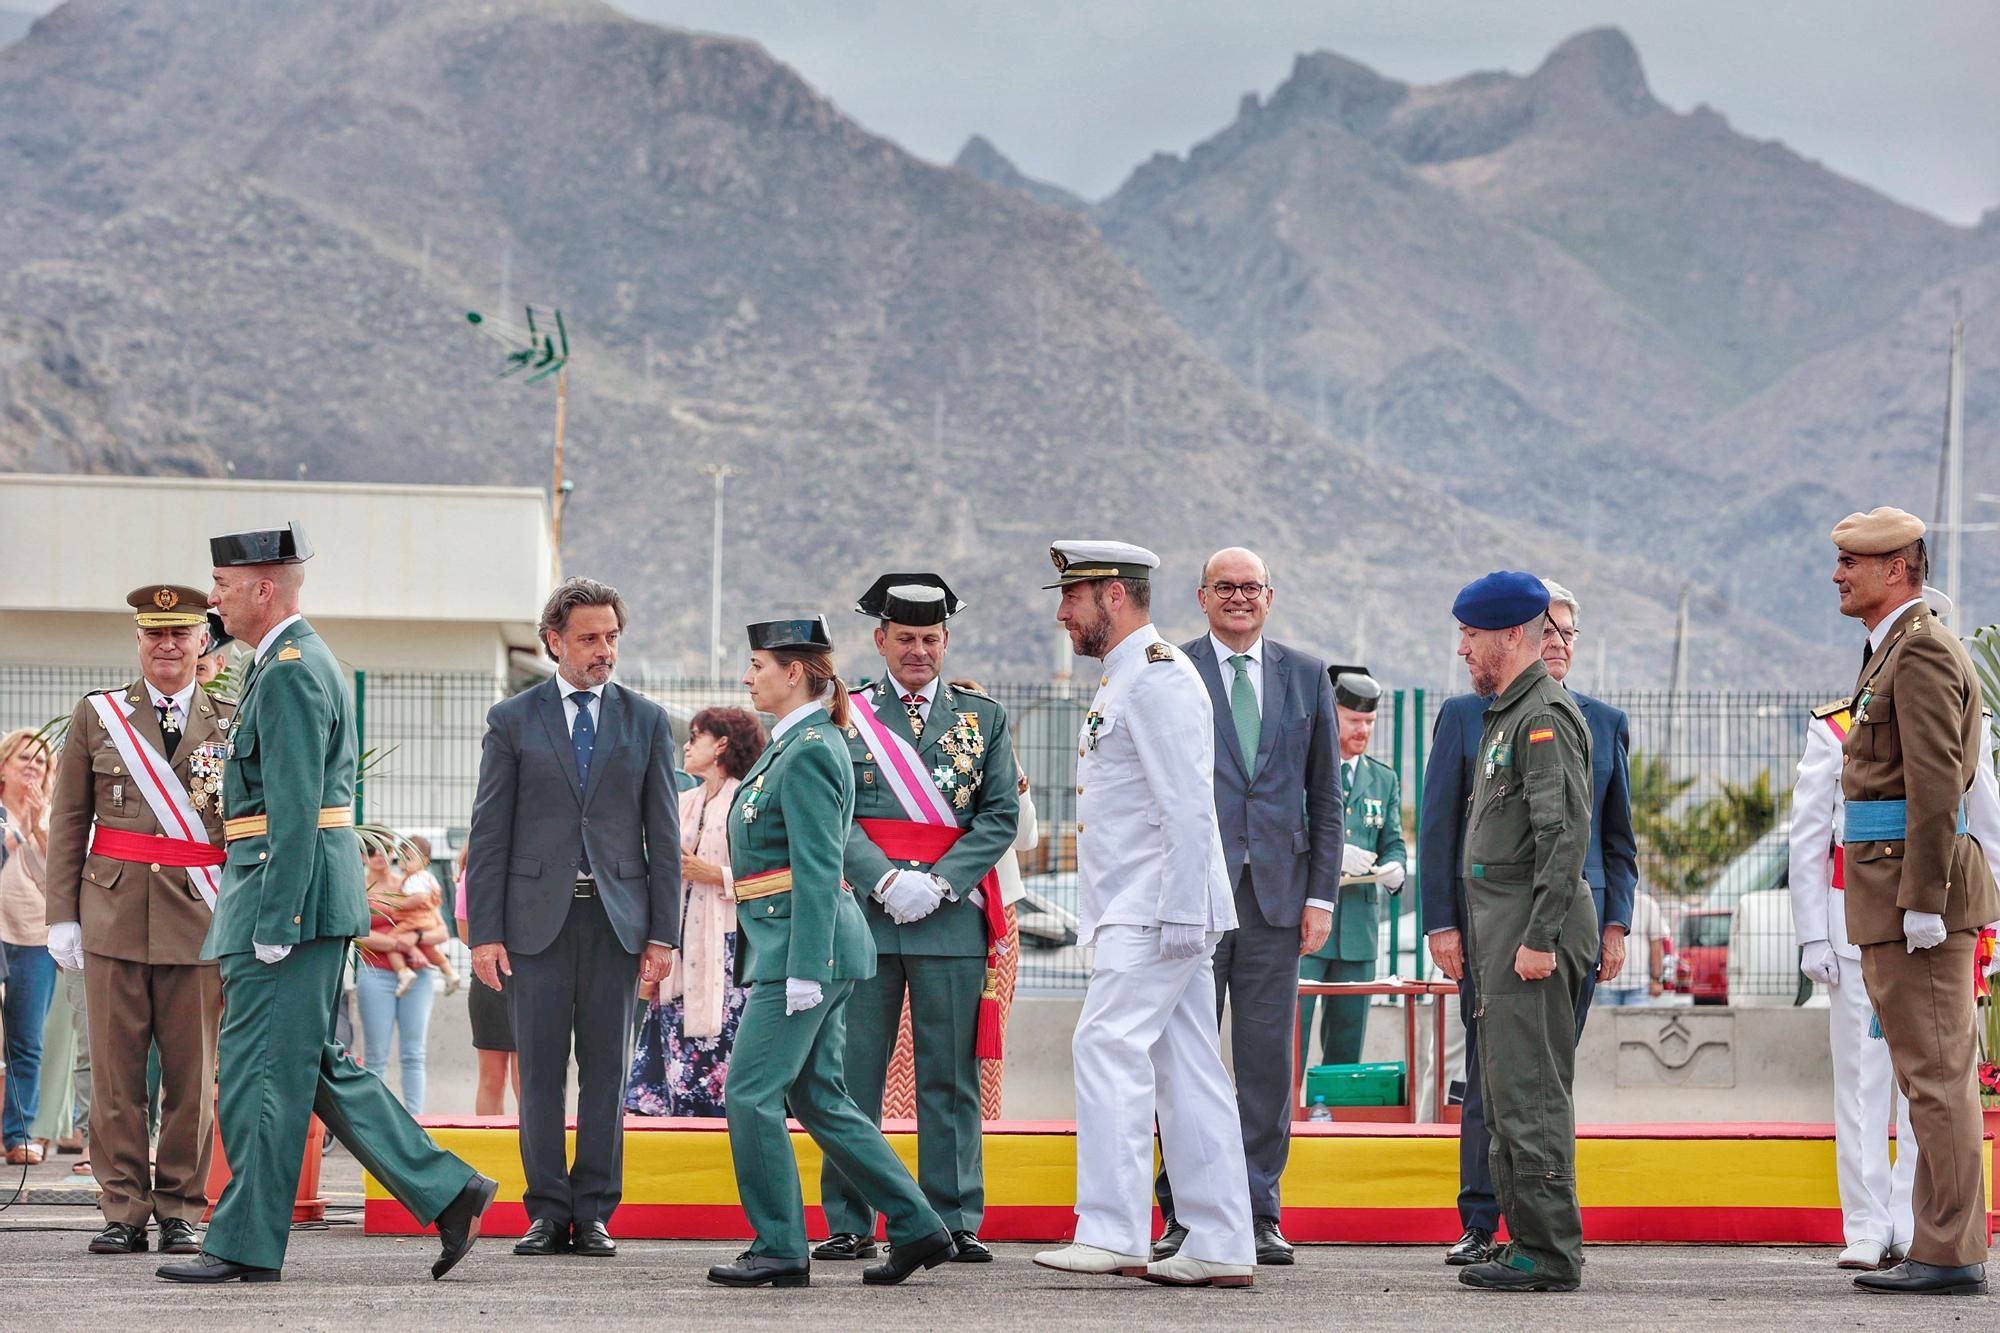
[1080, 562]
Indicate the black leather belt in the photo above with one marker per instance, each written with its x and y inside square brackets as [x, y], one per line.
[586, 887]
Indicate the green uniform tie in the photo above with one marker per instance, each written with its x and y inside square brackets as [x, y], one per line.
[1346, 776]
[1243, 707]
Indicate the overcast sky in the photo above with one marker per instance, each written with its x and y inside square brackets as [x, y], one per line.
[1902, 96]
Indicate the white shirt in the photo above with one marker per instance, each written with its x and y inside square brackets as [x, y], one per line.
[180, 701]
[793, 718]
[596, 693]
[264, 644]
[1149, 847]
[1887, 623]
[926, 696]
[1254, 668]
[1649, 923]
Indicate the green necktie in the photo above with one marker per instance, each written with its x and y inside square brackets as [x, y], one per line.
[1346, 778]
[1243, 707]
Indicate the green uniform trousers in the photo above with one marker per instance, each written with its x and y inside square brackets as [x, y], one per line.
[944, 1036]
[1343, 1020]
[279, 1064]
[1527, 1059]
[797, 1057]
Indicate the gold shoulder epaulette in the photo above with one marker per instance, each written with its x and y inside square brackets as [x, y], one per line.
[970, 687]
[1837, 706]
[1159, 652]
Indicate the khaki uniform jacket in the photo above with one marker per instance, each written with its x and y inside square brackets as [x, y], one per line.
[1916, 738]
[127, 910]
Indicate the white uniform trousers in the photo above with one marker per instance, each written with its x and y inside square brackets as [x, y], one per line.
[1148, 1044]
[1874, 1198]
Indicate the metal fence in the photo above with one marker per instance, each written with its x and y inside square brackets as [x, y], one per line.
[1711, 777]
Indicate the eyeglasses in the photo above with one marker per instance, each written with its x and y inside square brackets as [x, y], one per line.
[1225, 591]
[1568, 636]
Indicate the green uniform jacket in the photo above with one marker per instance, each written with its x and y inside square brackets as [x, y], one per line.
[1529, 830]
[292, 753]
[1374, 822]
[794, 808]
[970, 752]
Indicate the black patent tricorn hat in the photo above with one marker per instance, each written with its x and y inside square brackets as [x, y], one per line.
[910, 599]
[267, 546]
[1354, 688]
[808, 632]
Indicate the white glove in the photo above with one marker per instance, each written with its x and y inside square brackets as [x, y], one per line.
[1178, 941]
[66, 945]
[1393, 875]
[1821, 963]
[1355, 861]
[272, 953]
[910, 896]
[1922, 930]
[801, 995]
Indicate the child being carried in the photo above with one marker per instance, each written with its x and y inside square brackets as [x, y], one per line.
[411, 905]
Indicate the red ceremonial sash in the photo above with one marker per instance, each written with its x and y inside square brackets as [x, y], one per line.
[152, 849]
[907, 840]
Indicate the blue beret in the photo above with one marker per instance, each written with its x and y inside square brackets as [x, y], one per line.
[1503, 599]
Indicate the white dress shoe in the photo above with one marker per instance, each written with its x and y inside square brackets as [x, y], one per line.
[1080, 1258]
[1181, 1271]
[1863, 1254]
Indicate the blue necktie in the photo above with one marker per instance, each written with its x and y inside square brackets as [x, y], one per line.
[582, 736]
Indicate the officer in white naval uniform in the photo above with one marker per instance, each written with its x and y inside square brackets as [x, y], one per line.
[1875, 1205]
[1154, 897]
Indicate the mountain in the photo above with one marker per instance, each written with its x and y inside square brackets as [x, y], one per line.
[980, 158]
[1557, 295]
[247, 235]
[14, 25]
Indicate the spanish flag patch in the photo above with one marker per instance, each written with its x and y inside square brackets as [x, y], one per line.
[1541, 734]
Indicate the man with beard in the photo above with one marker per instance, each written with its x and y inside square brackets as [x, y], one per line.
[1153, 896]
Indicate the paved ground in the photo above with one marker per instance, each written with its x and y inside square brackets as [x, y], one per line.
[337, 1278]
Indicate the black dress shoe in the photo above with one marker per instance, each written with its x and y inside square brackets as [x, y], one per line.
[122, 1238]
[1474, 1247]
[928, 1252]
[206, 1267]
[542, 1238]
[1911, 1278]
[177, 1237]
[1273, 1250]
[845, 1245]
[593, 1241]
[970, 1249]
[1170, 1241]
[458, 1224]
[762, 1270]
[1501, 1274]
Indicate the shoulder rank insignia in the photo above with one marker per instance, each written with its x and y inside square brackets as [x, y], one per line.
[1159, 652]
[1828, 710]
[289, 654]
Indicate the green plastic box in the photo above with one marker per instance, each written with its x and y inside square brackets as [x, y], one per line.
[1356, 1085]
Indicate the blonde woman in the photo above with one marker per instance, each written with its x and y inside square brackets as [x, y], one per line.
[24, 933]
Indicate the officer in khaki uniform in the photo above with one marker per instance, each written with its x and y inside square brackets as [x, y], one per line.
[290, 906]
[1918, 886]
[926, 905]
[1531, 937]
[1372, 860]
[134, 861]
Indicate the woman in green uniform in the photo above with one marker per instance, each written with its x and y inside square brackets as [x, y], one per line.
[801, 945]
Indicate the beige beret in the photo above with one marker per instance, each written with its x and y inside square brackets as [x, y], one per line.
[1877, 532]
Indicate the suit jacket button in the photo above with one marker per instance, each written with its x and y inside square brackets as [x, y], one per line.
[916, 865]
[116, 769]
[295, 921]
[770, 909]
[262, 855]
[156, 867]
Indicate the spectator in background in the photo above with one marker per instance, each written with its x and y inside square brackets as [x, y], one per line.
[385, 1004]
[492, 1027]
[24, 933]
[682, 1061]
[419, 925]
[1643, 977]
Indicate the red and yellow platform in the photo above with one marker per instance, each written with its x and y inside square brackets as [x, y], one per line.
[1364, 1183]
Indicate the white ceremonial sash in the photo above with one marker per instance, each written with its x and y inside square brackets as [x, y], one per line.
[165, 795]
[902, 769]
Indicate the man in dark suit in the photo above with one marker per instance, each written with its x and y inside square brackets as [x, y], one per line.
[574, 884]
[1611, 869]
[1277, 795]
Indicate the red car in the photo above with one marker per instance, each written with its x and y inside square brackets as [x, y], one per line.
[1702, 948]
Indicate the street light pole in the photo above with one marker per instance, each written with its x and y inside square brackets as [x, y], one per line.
[719, 471]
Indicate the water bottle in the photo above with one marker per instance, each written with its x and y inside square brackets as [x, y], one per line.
[1319, 1110]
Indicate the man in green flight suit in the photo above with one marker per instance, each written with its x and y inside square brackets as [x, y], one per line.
[291, 902]
[925, 859]
[1531, 930]
[1373, 859]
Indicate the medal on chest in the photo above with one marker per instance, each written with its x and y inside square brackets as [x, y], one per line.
[1498, 755]
[205, 774]
[748, 810]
